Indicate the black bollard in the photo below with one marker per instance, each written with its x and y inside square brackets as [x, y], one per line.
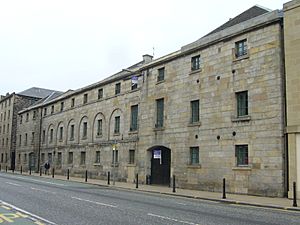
[29, 170]
[6, 169]
[68, 174]
[53, 172]
[174, 185]
[41, 171]
[137, 181]
[295, 195]
[108, 178]
[0, 167]
[86, 173]
[224, 189]
[13, 170]
[21, 170]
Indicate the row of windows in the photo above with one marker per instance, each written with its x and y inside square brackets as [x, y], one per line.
[6, 103]
[27, 117]
[241, 155]
[242, 110]
[2, 129]
[4, 160]
[5, 143]
[3, 116]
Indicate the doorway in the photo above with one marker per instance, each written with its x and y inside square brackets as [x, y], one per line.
[160, 165]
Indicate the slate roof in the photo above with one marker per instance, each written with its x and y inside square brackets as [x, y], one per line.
[244, 16]
[37, 92]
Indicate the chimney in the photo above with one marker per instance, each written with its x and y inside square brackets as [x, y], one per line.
[147, 58]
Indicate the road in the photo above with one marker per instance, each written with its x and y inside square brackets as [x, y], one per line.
[70, 203]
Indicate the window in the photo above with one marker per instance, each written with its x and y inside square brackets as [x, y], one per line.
[34, 115]
[8, 114]
[42, 157]
[115, 156]
[61, 106]
[19, 158]
[26, 136]
[50, 158]
[72, 132]
[195, 111]
[161, 74]
[159, 113]
[0, 129]
[99, 127]
[241, 154]
[59, 158]
[43, 136]
[4, 116]
[70, 158]
[131, 156]
[72, 102]
[118, 88]
[85, 98]
[117, 125]
[2, 157]
[194, 155]
[84, 132]
[7, 128]
[61, 132]
[45, 111]
[52, 109]
[20, 140]
[51, 135]
[241, 48]
[21, 119]
[100, 93]
[25, 158]
[82, 158]
[195, 62]
[27, 117]
[32, 139]
[242, 103]
[134, 82]
[97, 160]
[134, 118]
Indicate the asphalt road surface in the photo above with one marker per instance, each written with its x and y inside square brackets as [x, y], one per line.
[70, 203]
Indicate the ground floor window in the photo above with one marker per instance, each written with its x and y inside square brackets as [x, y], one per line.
[82, 158]
[241, 154]
[131, 156]
[194, 155]
[70, 157]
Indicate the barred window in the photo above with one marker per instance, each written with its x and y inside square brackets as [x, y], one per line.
[194, 155]
[242, 103]
[241, 154]
[241, 48]
[195, 62]
[195, 111]
[159, 113]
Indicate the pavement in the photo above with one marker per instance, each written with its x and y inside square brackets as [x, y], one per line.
[257, 201]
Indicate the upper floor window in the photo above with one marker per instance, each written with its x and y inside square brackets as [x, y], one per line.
[195, 111]
[159, 113]
[61, 106]
[43, 136]
[32, 139]
[34, 115]
[134, 82]
[21, 119]
[134, 118]
[117, 125]
[45, 111]
[82, 158]
[99, 127]
[84, 131]
[100, 93]
[27, 117]
[85, 98]
[61, 132]
[72, 132]
[241, 48]
[161, 74]
[51, 135]
[241, 154]
[8, 114]
[118, 88]
[195, 62]
[52, 109]
[242, 103]
[194, 155]
[26, 139]
[72, 102]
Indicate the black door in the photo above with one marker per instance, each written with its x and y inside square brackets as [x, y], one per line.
[160, 167]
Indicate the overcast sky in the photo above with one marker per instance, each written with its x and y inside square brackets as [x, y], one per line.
[68, 44]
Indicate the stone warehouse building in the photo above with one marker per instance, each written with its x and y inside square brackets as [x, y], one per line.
[10, 105]
[213, 109]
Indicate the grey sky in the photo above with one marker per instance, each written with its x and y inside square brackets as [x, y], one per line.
[68, 44]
